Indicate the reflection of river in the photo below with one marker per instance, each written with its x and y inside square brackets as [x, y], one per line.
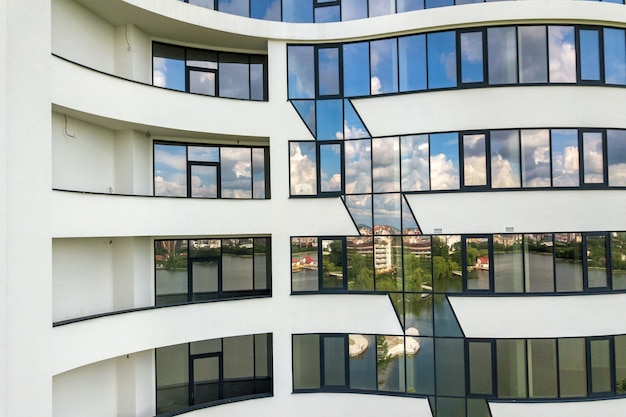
[305, 279]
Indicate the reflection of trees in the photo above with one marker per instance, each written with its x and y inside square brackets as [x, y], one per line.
[618, 252]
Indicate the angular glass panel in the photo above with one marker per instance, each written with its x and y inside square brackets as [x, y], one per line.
[419, 314]
[384, 66]
[480, 368]
[353, 9]
[381, 7]
[596, 260]
[614, 56]
[304, 264]
[446, 324]
[474, 160]
[334, 361]
[360, 209]
[202, 82]
[477, 263]
[332, 263]
[472, 57]
[562, 54]
[328, 71]
[420, 367]
[203, 153]
[511, 368]
[238, 7]
[616, 152]
[618, 260]
[542, 368]
[301, 71]
[568, 261]
[441, 59]
[170, 170]
[620, 364]
[589, 44]
[444, 161]
[236, 172]
[353, 127]
[447, 273]
[168, 66]
[262, 265]
[502, 55]
[306, 361]
[302, 168]
[170, 261]
[306, 110]
[327, 14]
[449, 406]
[172, 378]
[259, 186]
[387, 214]
[533, 54]
[505, 159]
[412, 62]
[600, 358]
[329, 119]
[450, 367]
[565, 158]
[414, 160]
[234, 76]
[508, 263]
[356, 63]
[265, 9]
[204, 181]
[297, 11]
[388, 263]
[593, 158]
[409, 224]
[535, 158]
[360, 263]
[358, 166]
[408, 5]
[539, 262]
[386, 165]
[362, 361]
[330, 168]
[477, 407]
[390, 363]
[572, 368]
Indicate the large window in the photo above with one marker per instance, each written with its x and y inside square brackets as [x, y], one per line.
[210, 372]
[193, 270]
[210, 73]
[211, 171]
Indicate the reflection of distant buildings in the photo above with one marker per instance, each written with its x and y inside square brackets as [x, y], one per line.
[482, 263]
[306, 262]
[304, 242]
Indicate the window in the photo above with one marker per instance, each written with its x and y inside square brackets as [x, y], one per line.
[209, 372]
[211, 171]
[209, 73]
[192, 270]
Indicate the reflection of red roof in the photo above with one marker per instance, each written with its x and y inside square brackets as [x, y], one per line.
[159, 257]
[483, 260]
[307, 260]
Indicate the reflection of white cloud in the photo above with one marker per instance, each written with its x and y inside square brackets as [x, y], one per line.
[333, 184]
[242, 169]
[617, 175]
[385, 165]
[562, 54]
[158, 73]
[444, 175]
[473, 51]
[175, 186]
[198, 189]
[415, 164]
[302, 172]
[475, 170]
[381, 7]
[273, 12]
[449, 62]
[351, 132]
[177, 162]
[358, 166]
[565, 168]
[375, 85]
[502, 173]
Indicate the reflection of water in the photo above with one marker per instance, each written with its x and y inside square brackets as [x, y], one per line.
[305, 279]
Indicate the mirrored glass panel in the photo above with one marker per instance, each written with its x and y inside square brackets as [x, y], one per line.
[306, 361]
[572, 367]
[265, 9]
[236, 172]
[614, 56]
[327, 14]
[334, 361]
[381, 7]
[565, 158]
[441, 59]
[168, 66]
[329, 119]
[362, 362]
[353, 9]
[391, 371]
[542, 368]
[387, 219]
[356, 63]
[618, 261]
[480, 368]
[238, 7]
[386, 165]
[511, 368]
[412, 62]
[539, 262]
[474, 160]
[330, 168]
[171, 279]
[259, 185]
[533, 54]
[600, 358]
[589, 45]
[616, 152]
[202, 82]
[304, 264]
[237, 265]
[508, 263]
[204, 182]
[302, 168]
[420, 367]
[444, 161]
[360, 263]
[447, 263]
[562, 54]
[415, 165]
[477, 265]
[593, 158]
[568, 265]
[408, 5]
[332, 263]
[472, 70]
[505, 159]
[388, 264]
[596, 261]
[234, 76]
[360, 208]
[358, 166]
[450, 367]
[328, 71]
[170, 170]
[384, 66]
[297, 11]
[502, 55]
[301, 71]
[535, 158]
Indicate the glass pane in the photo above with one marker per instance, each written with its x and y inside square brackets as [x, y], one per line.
[450, 367]
[572, 368]
[304, 263]
[203, 153]
[472, 57]
[474, 160]
[234, 77]
[203, 181]
[618, 260]
[238, 7]
[388, 263]
[539, 262]
[259, 185]
[419, 313]
[209, 4]
[170, 260]
[420, 367]
[328, 71]
[237, 265]
[387, 219]
[562, 51]
[262, 266]
[238, 357]
[170, 170]
[593, 158]
[596, 262]
[417, 264]
[511, 368]
[306, 361]
[263, 355]
[600, 357]
[301, 71]
[502, 55]
[430, 4]
[477, 408]
[201, 59]
[381, 7]
[535, 158]
[358, 167]
[265, 9]
[353, 9]
[172, 378]
[414, 159]
[446, 324]
[205, 276]
[329, 119]
[332, 263]
[202, 82]
[384, 66]
[353, 127]
[447, 263]
[236, 172]
[505, 157]
[614, 56]
[356, 63]
[330, 168]
[408, 5]
[386, 165]
[206, 375]
[477, 263]
[360, 263]
[508, 263]
[568, 261]
[412, 61]
[589, 41]
[390, 363]
[533, 65]
[362, 361]
[565, 158]
[441, 59]
[327, 14]
[334, 361]
[616, 151]
[360, 208]
[480, 368]
[444, 161]
[168, 66]
[257, 80]
[302, 169]
[620, 364]
[542, 368]
[297, 11]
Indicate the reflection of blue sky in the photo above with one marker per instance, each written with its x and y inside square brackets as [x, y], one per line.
[408, 5]
[306, 109]
[589, 54]
[301, 72]
[234, 80]
[386, 164]
[358, 167]
[412, 62]
[441, 59]
[237, 7]
[562, 51]
[302, 166]
[170, 170]
[204, 181]
[414, 159]
[330, 166]
[565, 158]
[444, 161]
[535, 158]
[472, 57]
[381, 7]
[616, 151]
[329, 119]
[297, 11]
[614, 56]
[169, 73]
[328, 70]
[474, 160]
[505, 168]
[353, 127]
[204, 153]
[387, 210]
[360, 208]
[438, 3]
[353, 9]
[327, 14]
[236, 172]
[265, 9]
[384, 66]
[356, 77]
